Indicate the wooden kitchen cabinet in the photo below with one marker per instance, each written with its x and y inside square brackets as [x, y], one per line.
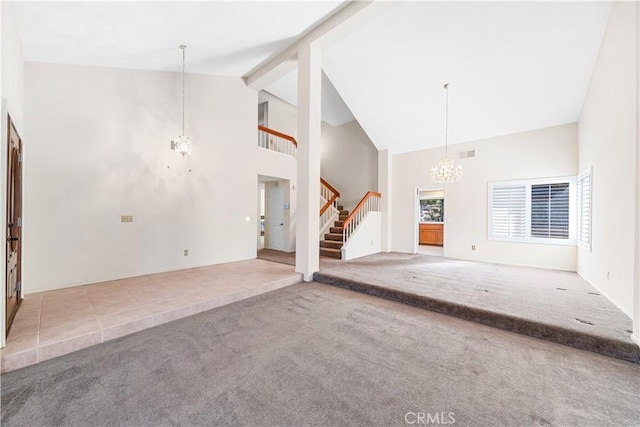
[431, 234]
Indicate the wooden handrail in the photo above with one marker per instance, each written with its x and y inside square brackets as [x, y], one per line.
[359, 206]
[333, 198]
[328, 204]
[330, 187]
[279, 134]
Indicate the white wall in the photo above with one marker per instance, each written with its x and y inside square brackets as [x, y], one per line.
[281, 115]
[12, 68]
[12, 103]
[366, 239]
[99, 148]
[349, 161]
[607, 142]
[550, 152]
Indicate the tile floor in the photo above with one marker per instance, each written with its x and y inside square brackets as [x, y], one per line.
[53, 323]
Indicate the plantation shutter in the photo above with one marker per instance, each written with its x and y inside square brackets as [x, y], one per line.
[550, 211]
[509, 211]
[584, 207]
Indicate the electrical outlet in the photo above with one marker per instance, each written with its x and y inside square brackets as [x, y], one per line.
[473, 247]
[186, 252]
[126, 218]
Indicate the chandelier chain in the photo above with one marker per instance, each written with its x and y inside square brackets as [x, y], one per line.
[183, 47]
[182, 144]
[446, 122]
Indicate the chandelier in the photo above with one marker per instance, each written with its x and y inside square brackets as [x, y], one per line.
[182, 144]
[446, 171]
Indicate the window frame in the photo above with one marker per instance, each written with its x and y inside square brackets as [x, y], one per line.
[527, 183]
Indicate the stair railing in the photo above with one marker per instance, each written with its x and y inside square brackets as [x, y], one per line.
[277, 141]
[329, 201]
[369, 203]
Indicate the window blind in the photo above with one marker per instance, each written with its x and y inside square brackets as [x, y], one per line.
[509, 211]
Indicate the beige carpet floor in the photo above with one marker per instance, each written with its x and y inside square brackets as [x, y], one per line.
[313, 354]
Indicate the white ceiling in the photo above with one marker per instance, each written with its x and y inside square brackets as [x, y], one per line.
[223, 38]
[512, 66]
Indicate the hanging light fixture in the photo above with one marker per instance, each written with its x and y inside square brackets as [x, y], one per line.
[182, 144]
[446, 171]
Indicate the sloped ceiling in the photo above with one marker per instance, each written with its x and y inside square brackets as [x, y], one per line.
[512, 67]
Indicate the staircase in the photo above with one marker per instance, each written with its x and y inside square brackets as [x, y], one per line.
[331, 246]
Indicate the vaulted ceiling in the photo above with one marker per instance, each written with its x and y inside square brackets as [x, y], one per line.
[512, 66]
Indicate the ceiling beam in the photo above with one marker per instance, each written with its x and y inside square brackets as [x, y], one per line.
[334, 27]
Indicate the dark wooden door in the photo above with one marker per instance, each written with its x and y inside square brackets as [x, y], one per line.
[14, 224]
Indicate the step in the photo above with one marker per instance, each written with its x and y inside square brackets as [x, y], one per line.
[343, 212]
[343, 217]
[331, 253]
[331, 244]
[338, 224]
[622, 348]
[335, 230]
[334, 237]
[340, 207]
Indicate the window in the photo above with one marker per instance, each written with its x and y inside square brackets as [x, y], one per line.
[431, 210]
[550, 210]
[539, 211]
[583, 193]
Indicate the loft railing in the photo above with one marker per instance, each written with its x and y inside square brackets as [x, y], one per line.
[329, 201]
[277, 141]
[369, 203]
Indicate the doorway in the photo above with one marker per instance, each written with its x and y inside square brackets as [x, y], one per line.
[276, 219]
[274, 210]
[13, 279]
[430, 220]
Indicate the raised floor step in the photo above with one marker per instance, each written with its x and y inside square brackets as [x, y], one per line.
[332, 253]
[343, 217]
[621, 348]
[330, 244]
[335, 230]
[338, 224]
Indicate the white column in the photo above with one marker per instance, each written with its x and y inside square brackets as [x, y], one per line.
[384, 187]
[308, 157]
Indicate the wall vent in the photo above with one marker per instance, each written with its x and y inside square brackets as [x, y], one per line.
[467, 154]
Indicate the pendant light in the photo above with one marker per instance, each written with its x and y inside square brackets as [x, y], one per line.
[182, 144]
[446, 171]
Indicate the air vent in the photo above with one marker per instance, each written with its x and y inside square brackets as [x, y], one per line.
[467, 154]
